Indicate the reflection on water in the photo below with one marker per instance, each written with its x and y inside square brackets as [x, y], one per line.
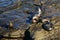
[4, 3]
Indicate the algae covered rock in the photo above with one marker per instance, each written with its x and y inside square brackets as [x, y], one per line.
[48, 35]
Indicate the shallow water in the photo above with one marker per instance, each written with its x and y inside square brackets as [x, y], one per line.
[18, 16]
